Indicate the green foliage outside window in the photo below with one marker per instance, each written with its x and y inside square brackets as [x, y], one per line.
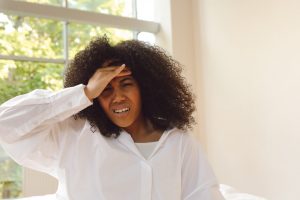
[41, 38]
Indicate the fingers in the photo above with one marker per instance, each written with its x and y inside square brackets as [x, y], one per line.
[102, 77]
[116, 71]
[125, 72]
[119, 69]
[111, 68]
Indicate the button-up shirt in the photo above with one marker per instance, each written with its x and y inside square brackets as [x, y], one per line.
[39, 131]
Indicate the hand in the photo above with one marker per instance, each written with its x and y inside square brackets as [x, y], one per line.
[101, 79]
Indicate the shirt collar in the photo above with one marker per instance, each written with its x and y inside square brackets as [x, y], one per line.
[126, 140]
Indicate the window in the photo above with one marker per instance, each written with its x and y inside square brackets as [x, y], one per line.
[37, 39]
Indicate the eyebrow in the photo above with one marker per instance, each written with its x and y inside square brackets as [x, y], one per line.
[126, 78]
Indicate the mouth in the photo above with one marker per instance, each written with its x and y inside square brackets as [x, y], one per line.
[121, 111]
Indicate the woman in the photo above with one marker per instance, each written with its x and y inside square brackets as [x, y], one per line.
[117, 130]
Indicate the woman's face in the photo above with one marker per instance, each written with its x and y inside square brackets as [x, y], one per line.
[121, 101]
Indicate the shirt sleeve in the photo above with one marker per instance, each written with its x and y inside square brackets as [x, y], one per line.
[32, 125]
[198, 179]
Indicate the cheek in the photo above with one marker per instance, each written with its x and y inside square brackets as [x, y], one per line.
[103, 103]
[137, 99]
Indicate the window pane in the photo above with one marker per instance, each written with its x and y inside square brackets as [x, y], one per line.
[32, 37]
[49, 2]
[113, 7]
[145, 10]
[80, 35]
[10, 177]
[147, 37]
[21, 77]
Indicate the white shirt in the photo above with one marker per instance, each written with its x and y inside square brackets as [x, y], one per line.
[39, 131]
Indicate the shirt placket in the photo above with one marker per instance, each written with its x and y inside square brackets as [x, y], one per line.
[146, 181]
[146, 168]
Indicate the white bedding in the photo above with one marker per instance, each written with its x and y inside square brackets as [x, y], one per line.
[231, 193]
[228, 192]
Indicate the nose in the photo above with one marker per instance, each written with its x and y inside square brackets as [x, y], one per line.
[118, 96]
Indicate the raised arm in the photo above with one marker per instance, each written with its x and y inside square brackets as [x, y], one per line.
[34, 125]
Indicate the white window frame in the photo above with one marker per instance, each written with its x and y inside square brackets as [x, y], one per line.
[68, 15]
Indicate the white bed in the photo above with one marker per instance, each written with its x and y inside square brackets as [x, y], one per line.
[228, 192]
[231, 193]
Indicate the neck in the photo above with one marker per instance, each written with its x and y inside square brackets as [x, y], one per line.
[143, 131]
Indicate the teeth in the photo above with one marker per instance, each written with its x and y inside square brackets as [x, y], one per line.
[121, 110]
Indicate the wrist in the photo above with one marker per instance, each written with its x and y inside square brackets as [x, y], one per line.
[87, 94]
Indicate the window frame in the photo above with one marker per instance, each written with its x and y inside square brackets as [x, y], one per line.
[68, 15]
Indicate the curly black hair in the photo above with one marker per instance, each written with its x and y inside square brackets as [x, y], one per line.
[167, 100]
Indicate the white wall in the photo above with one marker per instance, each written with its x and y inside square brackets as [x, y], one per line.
[176, 33]
[37, 183]
[248, 72]
[177, 37]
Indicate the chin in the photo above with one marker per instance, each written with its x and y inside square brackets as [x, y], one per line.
[122, 124]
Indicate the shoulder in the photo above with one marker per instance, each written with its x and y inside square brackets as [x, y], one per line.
[76, 123]
[187, 141]
[187, 137]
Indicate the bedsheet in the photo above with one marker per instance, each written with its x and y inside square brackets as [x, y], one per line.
[227, 191]
[231, 193]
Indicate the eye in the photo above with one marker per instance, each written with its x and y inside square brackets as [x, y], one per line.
[106, 90]
[127, 84]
